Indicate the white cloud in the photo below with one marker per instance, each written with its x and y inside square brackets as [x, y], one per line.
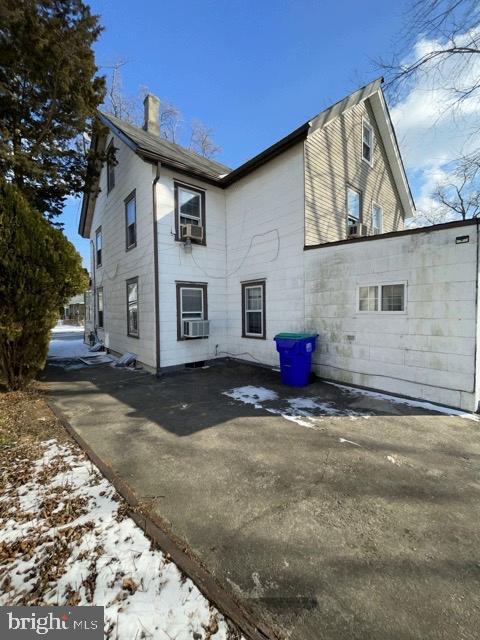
[433, 128]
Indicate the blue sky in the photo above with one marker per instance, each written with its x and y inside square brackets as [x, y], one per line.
[252, 71]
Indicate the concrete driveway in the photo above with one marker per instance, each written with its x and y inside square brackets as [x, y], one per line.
[328, 513]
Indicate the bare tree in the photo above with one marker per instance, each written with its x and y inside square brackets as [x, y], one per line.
[454, 28]
[461, 196]
[117, 103]
[170, 121]
[129, 109]
[201, 140]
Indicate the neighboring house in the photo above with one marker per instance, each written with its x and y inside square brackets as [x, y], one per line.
[193, 261]
[75, 309]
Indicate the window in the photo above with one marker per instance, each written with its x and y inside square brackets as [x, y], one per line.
[368, 299]
[353, 206]
[367, 142]
[100, 307]
[253, 310]
[131, 221]
[98, 246]
[391, 296]
[189, 208]
[191, 304]
[132, 307]
[377, 219]
[110, 167]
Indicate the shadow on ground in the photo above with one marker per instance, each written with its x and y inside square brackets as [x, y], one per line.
[362, 524]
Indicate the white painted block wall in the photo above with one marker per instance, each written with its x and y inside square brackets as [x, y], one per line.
[118, 265]
[427, 352]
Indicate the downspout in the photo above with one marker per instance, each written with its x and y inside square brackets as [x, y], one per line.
[477, 408]
[155, 269]
[94, 283]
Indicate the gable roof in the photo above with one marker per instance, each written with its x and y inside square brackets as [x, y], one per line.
[153, 148]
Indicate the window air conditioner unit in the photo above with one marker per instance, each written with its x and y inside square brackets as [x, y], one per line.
[196, 328]
[191, 232]
[357, 230]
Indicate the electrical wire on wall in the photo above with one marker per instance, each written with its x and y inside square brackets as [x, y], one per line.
[242, 262]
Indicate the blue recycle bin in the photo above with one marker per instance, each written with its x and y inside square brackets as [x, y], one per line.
[295, 351]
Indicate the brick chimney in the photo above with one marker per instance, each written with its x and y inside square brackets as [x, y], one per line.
[152, 113]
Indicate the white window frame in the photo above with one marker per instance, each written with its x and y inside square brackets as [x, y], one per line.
[379, 285]
[191, 219]
[360, 205]
[375, 204]
[260, 286]
[368, 125]
[132, 333]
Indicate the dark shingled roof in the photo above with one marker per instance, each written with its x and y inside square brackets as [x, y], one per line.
[152, 147]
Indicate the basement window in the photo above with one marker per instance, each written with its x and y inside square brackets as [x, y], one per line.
[382, 298]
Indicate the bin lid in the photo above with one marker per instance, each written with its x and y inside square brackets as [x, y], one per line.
[295, 336]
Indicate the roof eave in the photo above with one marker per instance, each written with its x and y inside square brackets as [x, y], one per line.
[268, 154]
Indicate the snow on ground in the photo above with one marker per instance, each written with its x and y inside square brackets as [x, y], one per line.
[303, 411]
[67, 342]
[419, 404]
[307, 411]
[68, 328]
[65, 539]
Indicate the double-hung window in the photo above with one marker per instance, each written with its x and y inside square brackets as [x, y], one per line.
[191, 304]
[100, 307]
[377, 219]
[253, 310]
[131, 221]
[354, 198]
[98, 247]
[110, 167]
[367, 142]
[189, 207]
[382, 298]
[132, 307]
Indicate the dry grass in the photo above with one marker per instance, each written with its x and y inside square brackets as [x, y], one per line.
[26, 418]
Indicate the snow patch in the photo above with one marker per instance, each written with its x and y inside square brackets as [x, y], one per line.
[303, 411]
[419, 404]
[105, 558]
[252, 395]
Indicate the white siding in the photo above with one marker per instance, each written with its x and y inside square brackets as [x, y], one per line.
[427, 352]
[265, 232]
[118, 265]
[206, 264]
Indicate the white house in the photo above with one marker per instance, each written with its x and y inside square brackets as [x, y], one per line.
[193, 261]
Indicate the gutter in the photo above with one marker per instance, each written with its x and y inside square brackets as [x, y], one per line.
[155, 269]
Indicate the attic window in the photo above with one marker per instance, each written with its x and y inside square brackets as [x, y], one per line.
[367, 142]
[110, 167]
